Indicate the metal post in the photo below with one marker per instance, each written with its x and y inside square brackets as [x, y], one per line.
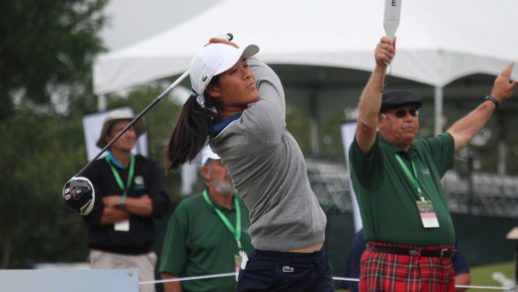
[314, 133]
[101, 102]
[438, 109]
[471, 189]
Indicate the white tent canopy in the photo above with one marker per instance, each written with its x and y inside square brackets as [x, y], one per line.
[438, 40]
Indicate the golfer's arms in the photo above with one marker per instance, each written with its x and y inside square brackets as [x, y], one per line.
[171, 286]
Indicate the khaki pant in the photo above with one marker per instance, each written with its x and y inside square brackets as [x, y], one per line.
[144, 263]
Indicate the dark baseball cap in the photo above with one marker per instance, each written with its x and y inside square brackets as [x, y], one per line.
[397, 98]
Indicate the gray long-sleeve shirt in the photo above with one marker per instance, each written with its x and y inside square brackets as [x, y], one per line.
[269, 171]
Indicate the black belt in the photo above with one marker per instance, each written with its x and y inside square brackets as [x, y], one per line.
[437, 253]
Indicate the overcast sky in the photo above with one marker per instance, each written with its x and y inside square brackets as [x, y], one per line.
[133, 20]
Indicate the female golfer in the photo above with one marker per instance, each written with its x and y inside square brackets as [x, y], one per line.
[238, 106]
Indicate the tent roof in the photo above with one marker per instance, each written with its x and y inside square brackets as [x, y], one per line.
[438, 40]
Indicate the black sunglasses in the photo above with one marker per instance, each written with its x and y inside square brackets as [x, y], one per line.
[401, 113]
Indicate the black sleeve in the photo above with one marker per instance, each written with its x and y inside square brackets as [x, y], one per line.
[159, 197]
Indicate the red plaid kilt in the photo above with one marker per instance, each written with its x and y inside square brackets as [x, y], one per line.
[393, 272]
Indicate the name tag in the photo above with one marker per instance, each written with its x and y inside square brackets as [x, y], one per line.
[240, 261]
[428, 216]
[122, 226]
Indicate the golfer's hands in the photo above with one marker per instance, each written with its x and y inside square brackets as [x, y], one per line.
[385, 51]
[503, 86]
[221, 40]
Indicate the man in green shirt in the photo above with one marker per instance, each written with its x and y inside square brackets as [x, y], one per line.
[397, 182]
[207, 234]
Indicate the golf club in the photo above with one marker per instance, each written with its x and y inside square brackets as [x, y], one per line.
[79, 185]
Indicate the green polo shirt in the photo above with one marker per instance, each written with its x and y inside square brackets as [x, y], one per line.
[387, 198]
[197, 243]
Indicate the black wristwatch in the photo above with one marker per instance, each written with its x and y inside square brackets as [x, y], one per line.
[493, 100]
[122, 201]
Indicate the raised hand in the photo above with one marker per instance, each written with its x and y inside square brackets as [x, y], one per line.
[503, 86]
[385, 51]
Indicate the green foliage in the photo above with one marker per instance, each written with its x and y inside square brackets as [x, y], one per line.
[38, 153]
[47, 50]
[47, 46]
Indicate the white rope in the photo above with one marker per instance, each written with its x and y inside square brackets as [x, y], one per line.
[482, 287]
[189, 278]
[334, 278]
[346, 279]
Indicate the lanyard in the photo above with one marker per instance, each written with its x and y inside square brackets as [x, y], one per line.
[412, 177]
[235, 231]
[118, 179]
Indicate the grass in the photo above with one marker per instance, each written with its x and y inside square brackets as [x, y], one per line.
[482, 275]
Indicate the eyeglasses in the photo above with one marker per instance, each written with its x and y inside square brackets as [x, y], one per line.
[401, 113]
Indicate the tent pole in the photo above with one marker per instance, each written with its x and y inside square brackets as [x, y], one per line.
[503, 149]
[314, 132]
[438, 107]
[101, 102]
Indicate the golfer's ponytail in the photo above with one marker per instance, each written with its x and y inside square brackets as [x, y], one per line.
[189, 135]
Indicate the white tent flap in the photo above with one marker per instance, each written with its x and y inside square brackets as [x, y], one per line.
[438, 41]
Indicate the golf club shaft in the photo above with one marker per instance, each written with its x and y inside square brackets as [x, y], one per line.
[227, 36]
[136, 119]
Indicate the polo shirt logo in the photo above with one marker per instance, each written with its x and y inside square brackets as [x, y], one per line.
[288, 269]
[139, 182]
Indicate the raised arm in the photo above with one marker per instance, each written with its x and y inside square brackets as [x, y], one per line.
[370, 100]
[268, 84]
[467, 127]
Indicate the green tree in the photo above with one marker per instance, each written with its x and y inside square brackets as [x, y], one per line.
[38, 153]
[47, 48]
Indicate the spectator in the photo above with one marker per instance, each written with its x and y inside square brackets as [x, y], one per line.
[396, 178]
[129, 196]
[206, 233]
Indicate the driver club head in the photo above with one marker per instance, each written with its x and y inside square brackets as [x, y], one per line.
[79, 195]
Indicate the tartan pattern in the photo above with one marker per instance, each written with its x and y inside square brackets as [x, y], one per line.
[404, 273]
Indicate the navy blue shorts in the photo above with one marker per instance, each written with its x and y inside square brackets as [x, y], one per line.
[286, 271]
